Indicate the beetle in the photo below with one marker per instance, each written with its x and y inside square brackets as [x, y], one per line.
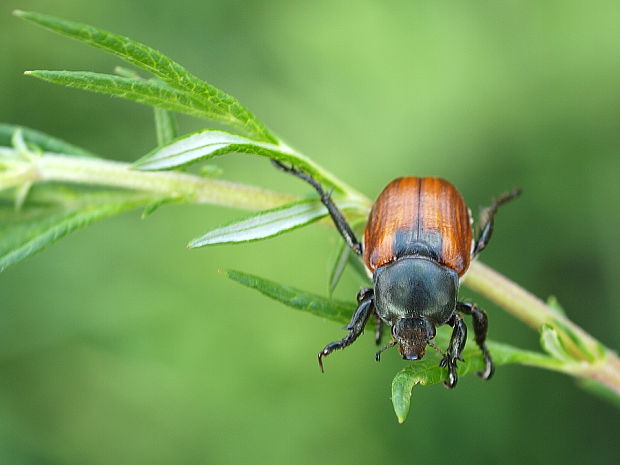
[418, 243]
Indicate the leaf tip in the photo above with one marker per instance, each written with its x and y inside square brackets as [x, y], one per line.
[18, 13]
[193, 244]
[27, 73]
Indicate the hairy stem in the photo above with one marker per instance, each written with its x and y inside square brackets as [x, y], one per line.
[193, 188]
[593, 360]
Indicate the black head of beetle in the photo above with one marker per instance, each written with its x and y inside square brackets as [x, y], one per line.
[412, 336]
[414, 295]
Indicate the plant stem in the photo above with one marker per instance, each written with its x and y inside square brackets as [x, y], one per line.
[594, 360]
[196, 189]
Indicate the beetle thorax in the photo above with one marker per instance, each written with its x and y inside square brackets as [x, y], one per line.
[415, 287]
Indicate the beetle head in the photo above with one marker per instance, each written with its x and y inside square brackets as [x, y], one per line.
[412, 336]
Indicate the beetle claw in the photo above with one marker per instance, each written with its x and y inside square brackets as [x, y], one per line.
[320, 357]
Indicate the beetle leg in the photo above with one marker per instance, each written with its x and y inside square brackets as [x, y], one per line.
[355, 327]
[362, 295]
[486, 220]
[339, 220]
[378, 330]
[481, 324]
[457, 343]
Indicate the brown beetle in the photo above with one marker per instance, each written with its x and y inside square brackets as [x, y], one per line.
[417, 244]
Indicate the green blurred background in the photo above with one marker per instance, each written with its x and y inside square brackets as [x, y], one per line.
[120, 346]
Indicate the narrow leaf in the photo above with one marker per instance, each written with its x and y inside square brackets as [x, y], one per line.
[152, 92]
[343, 258]
[223, 107]
[43, 141]
[358, 266]
[19, 144]
[157, 204]
[340, 263]
[209, 143]
[21, 194]
[206, 144]
[334, 310]
[165, 126]
[265, 224]
[39, 225]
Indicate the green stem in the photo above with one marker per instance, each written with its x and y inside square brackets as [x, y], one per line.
[94, 171]
[592, 360]
[522, 304]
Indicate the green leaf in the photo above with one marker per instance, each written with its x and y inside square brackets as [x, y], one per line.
[552, 344]
[221, 106]
[358, 266]
[152, 92]
[209, 143]
[41, 222]
[20, 195]
[427, 371]
[340, 263]
[206, 144]
[39, 139]
[157, 204]
[265, 224]
[343, 258]
[592, 352]
[424, 372]
[334, 310]
[165, 126]
[20, 146]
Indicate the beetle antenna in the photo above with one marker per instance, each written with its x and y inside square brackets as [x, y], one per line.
[387, 346]
[436, 348]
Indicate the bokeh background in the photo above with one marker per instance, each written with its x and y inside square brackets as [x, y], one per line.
[120, 346]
